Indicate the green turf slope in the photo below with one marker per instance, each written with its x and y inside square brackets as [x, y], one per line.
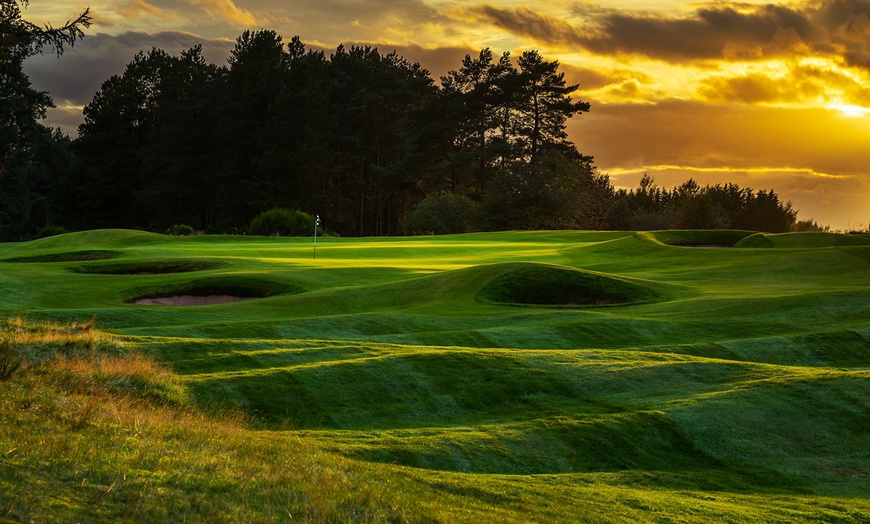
[518, 376]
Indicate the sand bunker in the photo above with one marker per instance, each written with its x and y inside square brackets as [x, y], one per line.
[189, 300]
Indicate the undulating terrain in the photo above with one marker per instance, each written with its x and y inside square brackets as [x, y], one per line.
[680, 376]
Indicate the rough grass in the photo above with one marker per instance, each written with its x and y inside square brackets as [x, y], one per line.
[98, 451]
[389, 392]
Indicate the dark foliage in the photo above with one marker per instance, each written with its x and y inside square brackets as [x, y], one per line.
[33, 158]
[365, 139]
[441, 214]
[691, 206]
[282, 222]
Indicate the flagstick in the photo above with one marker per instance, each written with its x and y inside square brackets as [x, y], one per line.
[316, 223]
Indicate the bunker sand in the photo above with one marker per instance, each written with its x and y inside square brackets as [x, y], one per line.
[189, 300]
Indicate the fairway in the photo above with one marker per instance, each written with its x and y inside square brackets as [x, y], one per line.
[677, 376]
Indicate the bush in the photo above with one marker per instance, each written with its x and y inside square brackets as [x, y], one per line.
[802, 226]
[441, 214]
[180, 230]
[50, 231]
[282, 222]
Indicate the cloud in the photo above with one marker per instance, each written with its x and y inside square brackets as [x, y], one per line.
[73, 79]
[699, 134]
[526, 22]
[138, 8]
[712, 32]
[813, 83]
[228, 11]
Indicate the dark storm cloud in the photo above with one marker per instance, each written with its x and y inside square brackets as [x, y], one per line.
[716, 31]
[74, 78]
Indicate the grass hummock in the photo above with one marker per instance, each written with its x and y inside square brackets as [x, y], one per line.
[542, 284]
[700, 237]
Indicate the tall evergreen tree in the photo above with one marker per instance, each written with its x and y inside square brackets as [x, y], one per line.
[26, 146]
[112, 183]
[259, 67]
[181, 159]
[544, 105]
[478, 100]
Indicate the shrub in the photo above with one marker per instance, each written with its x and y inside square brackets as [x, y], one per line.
[50, 231]
[282, 222]
[180, 230]
[10, 360]
[810, 225]
[441, 214]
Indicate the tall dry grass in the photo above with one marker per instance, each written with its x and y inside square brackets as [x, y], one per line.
[109, 433]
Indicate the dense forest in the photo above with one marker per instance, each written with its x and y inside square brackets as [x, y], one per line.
[368, 141]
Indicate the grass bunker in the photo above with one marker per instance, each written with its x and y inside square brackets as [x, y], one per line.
[549, 285]
[700, 237]
[74, 256]
[148, 267]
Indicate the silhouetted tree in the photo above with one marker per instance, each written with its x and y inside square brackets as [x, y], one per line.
[477, 100]
[259, 67]
[180, 162]
[112, 145]
[28, 150]
[373, 94]
[544, 105]
[554, 193]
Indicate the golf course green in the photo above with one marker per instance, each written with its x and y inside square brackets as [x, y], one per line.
[550, 376]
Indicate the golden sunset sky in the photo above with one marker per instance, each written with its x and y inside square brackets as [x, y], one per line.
[766, 95]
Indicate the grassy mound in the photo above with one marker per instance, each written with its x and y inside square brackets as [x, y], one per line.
[700, 237]
[148, 267]
[758, 240]
[805, 240]
[73, 256]
[238, 286]
[812, 240]
[544, 284]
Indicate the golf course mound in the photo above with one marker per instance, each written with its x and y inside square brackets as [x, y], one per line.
[758, 240]
[210, 291]
[150, 267]
[74, 256]
[700, 237]
[551, 285]
[807, 240]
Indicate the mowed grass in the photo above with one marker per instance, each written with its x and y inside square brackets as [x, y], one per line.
[519, 376]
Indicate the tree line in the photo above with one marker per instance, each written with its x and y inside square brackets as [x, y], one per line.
[367, 140]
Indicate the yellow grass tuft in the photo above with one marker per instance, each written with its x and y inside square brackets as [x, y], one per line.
[21, 332]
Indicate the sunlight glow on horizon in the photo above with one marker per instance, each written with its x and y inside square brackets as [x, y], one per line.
[849, 110]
